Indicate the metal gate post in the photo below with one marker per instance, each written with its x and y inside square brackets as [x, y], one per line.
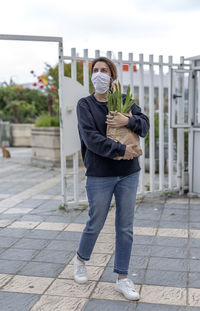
[180, 136]
[62, 157]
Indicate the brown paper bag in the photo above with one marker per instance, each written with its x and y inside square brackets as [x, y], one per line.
[124, 136]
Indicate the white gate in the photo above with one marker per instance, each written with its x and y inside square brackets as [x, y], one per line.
[185, 110]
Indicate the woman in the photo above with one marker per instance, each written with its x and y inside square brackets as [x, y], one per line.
[106, 176]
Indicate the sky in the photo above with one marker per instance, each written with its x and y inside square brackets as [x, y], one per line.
[159, 27]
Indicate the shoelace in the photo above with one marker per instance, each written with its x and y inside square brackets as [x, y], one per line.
[129, 285]
[81, 269]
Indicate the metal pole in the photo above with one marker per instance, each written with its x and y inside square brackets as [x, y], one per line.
[152, 126]
[141, 102]
[170, 130]
[161, 125]
[62, 158]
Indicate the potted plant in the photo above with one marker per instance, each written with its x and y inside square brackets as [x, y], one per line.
[45, 134]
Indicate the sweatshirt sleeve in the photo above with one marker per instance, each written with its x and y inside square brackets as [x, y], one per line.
[92, 138]
[138, 122]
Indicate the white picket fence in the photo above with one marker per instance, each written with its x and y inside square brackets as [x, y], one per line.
[151, 74]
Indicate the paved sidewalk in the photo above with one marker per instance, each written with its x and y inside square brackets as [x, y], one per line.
[38, 242]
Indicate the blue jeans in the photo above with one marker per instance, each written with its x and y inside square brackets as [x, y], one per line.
[99, 192]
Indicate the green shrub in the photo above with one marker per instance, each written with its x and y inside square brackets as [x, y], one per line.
[21, 105]
[47, 120]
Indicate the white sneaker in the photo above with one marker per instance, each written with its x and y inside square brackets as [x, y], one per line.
[80, 272]
[126, 287]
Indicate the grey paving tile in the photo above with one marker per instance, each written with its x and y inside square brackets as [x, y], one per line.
[157, 307]
[154, 216]
[194, 242]
[151, 204]
[50, 212]
[53, 204]
[194, 265]
[194, 207]
[7, 241]
[141, 250]
[54, 256]
[142, 239]
[30, 244]
[42, 234]
[18, 254]
[177, 205]
[63, 245]
[194, 215]
[195, 218]
[62, 218]
[54, 190]
[69, 236]
[194, 252]
[13, 232]
[194, 225]
[146, 223]
[136, 275]
[17, 302]
[10, 266]
[178, 211]
[43, 269]
[171, 241]
[166, 278]
[29, 217]
[82, 219]
[194, 279]
[168, 251]
[148, 209]
[169, 264]
[10, 216]
[175, 218]
[136, 262]
[14, 187]
[172, 224]
[30, 203]
[2, 249]
[109, 305]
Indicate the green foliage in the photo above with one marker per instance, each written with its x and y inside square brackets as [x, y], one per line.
[115, 100]
[47, 120]
[62, 207]
[21, 105]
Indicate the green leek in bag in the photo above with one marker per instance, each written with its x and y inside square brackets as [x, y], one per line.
[115, 100]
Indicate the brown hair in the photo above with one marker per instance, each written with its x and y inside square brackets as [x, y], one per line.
[111, 65]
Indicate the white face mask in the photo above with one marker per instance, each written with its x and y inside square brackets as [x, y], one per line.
[101, 82]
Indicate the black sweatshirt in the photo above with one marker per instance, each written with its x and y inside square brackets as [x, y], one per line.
[97, 150]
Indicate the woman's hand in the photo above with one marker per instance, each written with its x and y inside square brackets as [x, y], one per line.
[119, 120]
[130, 153]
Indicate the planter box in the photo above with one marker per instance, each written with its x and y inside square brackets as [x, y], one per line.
[21, 135]
[45, 142]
